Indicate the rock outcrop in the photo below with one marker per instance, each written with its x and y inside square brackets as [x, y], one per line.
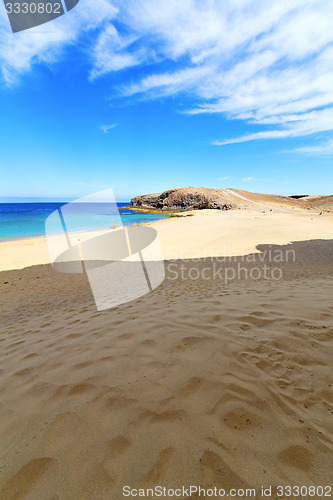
[197, 198]
[190, 198]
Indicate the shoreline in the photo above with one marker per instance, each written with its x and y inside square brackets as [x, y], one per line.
[38, 236]
[204, 233]
[153, 211]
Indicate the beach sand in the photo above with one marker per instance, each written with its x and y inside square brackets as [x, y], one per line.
[201, 382]
[203, 233]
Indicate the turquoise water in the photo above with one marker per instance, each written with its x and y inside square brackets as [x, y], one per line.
[26, 220]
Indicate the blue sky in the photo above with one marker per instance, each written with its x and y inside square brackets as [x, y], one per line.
[147, 95]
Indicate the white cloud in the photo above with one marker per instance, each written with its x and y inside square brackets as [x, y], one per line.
[19, 51]
[247, 179]
[324, 149]
[111, 52]
[303, 124]
[106, 128]
[266, 63]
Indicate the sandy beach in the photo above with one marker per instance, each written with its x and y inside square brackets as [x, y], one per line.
[205, 381]
[203, 233]
[166, 250]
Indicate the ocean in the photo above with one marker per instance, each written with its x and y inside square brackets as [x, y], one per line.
[27, 220]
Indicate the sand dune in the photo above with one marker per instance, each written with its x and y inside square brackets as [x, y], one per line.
[198, 383]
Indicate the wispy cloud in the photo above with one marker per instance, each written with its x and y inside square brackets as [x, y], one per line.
[268, 64]
[106, 128]
[111, 52]
[247, 179]
[323, 149]
[45, 43]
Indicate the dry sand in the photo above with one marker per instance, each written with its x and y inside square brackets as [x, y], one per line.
[200, 382]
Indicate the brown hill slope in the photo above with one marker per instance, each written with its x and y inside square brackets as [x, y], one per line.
[188, 198]
[318, 202]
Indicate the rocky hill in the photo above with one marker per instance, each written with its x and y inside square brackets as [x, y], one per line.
[198, 198]
[184, 198]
